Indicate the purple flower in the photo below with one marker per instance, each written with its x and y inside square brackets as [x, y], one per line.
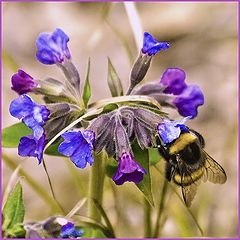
[22, 82]
[78, 146]
[128, 170]
[173, 79]
[188, 101]
[151, 46]
[187, 97]
[171, 130]
[52, 47]
[32, 147]
[69, 231]
[32, 114]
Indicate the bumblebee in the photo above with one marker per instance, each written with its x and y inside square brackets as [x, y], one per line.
[187, 164]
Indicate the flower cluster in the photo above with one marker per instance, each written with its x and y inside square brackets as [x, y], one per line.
[114, 131]
[54, 227]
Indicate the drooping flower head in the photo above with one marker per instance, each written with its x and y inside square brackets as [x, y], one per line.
[187, 97]
[78, 145]
[151, 46]
[170, 130]
[70, 231]
[32, 114]
[32, 147]
[22, 82]
[128, 169]
[52, 47]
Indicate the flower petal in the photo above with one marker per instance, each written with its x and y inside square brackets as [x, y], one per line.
[171, 130]
[78, 146]
[189, 100]
[22, 82]
[69, 231]
[52, 47]
[174, 81]
[151, 46]
[30, 146]
[128, 170]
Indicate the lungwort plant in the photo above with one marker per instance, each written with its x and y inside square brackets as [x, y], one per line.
[116, 136]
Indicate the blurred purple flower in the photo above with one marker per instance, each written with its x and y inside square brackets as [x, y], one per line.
[69, 231]
[78, 146]
[151, 46]
[32, 114]
[188, 97]
[32, 147]
[128, 170]
[22, 82]
[52, 47]
[171, 130]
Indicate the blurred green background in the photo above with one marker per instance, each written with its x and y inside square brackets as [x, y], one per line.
[204, 40]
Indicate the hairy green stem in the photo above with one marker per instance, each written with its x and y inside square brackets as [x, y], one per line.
[96, 185]
[147, 219]
[160, 209]
[35, 185]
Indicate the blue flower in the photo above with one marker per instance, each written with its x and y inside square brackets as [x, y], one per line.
[171, 130]
[69, 231]
[78, 146]
[128, 170]
[52, 47]
[32, 147]
[32, 114]
[187, 98]
[22, 82]
[151, 46]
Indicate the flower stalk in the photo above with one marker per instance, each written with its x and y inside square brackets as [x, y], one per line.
[96, 185]
[147, 219]
[160, 209]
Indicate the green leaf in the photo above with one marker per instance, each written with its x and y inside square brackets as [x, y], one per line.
[17, 231]
[114, 82]
[52, 150]
[142, 157]
[87, 88]
[12, 134]
[154, 156]
[13, 210]
[92, 233]
[111, 167]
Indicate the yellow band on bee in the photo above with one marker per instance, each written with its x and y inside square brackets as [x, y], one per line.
[184, 140]
[188, 180]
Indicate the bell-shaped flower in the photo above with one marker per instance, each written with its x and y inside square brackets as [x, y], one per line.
[32, 114]
[32, 147]
[170, 130]
[52, 47]
[78, 145]
[151, 46]
[22, 82]
[70, 231]
[128, 170]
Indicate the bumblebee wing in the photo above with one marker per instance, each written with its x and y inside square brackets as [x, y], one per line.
[214, 172]
[189, 191]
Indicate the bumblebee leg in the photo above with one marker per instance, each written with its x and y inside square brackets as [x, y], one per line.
[169, 171]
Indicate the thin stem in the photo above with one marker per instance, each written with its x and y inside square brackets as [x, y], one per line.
[96, 185]
[129, 90]
[50, 185]
[160, 209]
[35, 185]
[147, 219]
[135, 23]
